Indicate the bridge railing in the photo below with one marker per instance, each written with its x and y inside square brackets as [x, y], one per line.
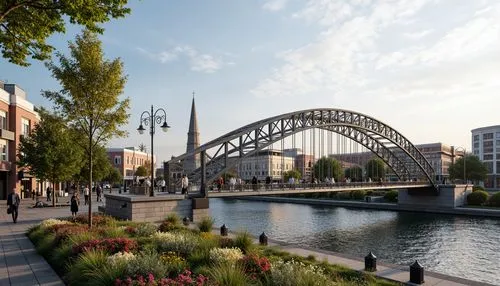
[248, 187]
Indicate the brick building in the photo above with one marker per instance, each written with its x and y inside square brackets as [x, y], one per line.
[127, 159]
[17, 118]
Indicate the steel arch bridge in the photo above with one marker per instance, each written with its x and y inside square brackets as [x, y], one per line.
[228, 150]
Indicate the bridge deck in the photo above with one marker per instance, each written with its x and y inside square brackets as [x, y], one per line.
[283, 189]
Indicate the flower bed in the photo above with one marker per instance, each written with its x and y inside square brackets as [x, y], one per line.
[129, 254]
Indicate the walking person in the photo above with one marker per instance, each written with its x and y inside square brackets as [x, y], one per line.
[74, 205]
[49, 192]
[13, 201]
[86, 195]
[184, 185]
[98, 191]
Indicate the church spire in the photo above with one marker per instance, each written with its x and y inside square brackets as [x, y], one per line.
[193, 142]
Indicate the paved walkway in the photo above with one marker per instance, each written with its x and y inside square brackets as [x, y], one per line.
[20, 265]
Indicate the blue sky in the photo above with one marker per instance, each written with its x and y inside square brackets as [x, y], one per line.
[428, 68]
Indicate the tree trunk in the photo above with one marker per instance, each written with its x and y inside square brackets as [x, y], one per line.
[90, 173]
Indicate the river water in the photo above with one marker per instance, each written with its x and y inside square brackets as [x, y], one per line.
[461, 246]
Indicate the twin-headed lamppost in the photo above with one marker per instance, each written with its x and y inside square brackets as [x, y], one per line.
[151, 118]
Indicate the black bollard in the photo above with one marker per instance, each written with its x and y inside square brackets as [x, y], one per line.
[223, 230]
[416, 273]
[263, 239]
[370, 262]
[186, 221]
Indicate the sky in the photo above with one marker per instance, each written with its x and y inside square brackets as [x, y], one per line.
[428, 68]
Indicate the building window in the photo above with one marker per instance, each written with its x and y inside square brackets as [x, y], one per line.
[118, 160]
[476, 144]
[488, 157]
[488, 150]
[489, 166]
[498, 134]
[3, 119]
[25, 127]
[487, 136]
[3, 150]
[487, 144]
[476, 137]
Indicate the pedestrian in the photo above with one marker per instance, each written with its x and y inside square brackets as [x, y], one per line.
[86, 195]
[163, 185]
[33, 193]
[74, 205]
[49, 192]
[98, 193]
[254, 183]
[13, 201]
[184, 185]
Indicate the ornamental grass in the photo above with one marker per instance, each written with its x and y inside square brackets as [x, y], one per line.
[125, 253]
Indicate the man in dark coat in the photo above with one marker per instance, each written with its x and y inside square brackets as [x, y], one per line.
[13, 201]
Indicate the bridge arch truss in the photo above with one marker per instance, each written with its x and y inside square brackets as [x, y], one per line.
[392, 147]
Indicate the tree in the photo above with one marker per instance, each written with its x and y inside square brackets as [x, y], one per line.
[141, 171]
[327, 167]
[375, 169]
[89, 99]
[48, 152]
[114, 176]
[475, 169]
[295, 173]
[101, 167]
[147, 165]
[355, 173]
[25, 25]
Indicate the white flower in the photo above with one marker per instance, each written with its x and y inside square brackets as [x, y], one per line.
[120, 257]
[221, 255]
[52, 221]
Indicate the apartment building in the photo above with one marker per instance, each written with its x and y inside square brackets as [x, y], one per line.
[486, 146]
[17, 118]
[265, 163]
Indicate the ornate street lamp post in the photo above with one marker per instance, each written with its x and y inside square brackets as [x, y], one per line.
[151, 118]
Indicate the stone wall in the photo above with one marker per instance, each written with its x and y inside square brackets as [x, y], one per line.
[449, 197]
[150, 209]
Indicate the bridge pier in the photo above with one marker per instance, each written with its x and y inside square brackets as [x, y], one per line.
[429, 199]
[154, 209]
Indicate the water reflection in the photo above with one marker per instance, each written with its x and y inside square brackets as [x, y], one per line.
[455, 245]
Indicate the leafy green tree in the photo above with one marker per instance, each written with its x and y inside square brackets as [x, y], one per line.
[295, 173]
[328, 167]
[475, 169]
[25, 25]
[355, 173]
[101, 167]
[89, 99]
[49, 152]
[141, 171]
[114, 176]
[375, 169]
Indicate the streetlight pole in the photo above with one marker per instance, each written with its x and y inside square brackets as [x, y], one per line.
[463, 158]
[152, 118]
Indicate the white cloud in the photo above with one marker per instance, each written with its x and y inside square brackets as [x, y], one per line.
[199, 62]
[363, 52]
[274, 5]
[417, 35]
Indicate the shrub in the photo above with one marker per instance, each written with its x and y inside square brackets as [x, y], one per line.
[226, 242]
[60, 256]
[145, 263]
[120, 257]
[86, 263]
[478, 188]
[369, 192]
[243, 241]
[391, 196]
[175, 263]
[298, 273]
[227, 274]
[63, 231]
[206, 224]
[36, 234]
[111, 232]
[477, 198]
[184, 278]
[343, 196]
[97, 219]
[495, 200]
[225, 255]
[358, 194]
[51, 221]
[109, 245]
[181, 243]
[145, 229]
[173, 219]
[256, 267]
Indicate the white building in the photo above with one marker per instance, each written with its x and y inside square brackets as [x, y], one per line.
[272, 163]
[486, 146]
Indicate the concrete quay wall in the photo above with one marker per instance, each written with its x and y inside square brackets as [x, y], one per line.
[382, 206]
